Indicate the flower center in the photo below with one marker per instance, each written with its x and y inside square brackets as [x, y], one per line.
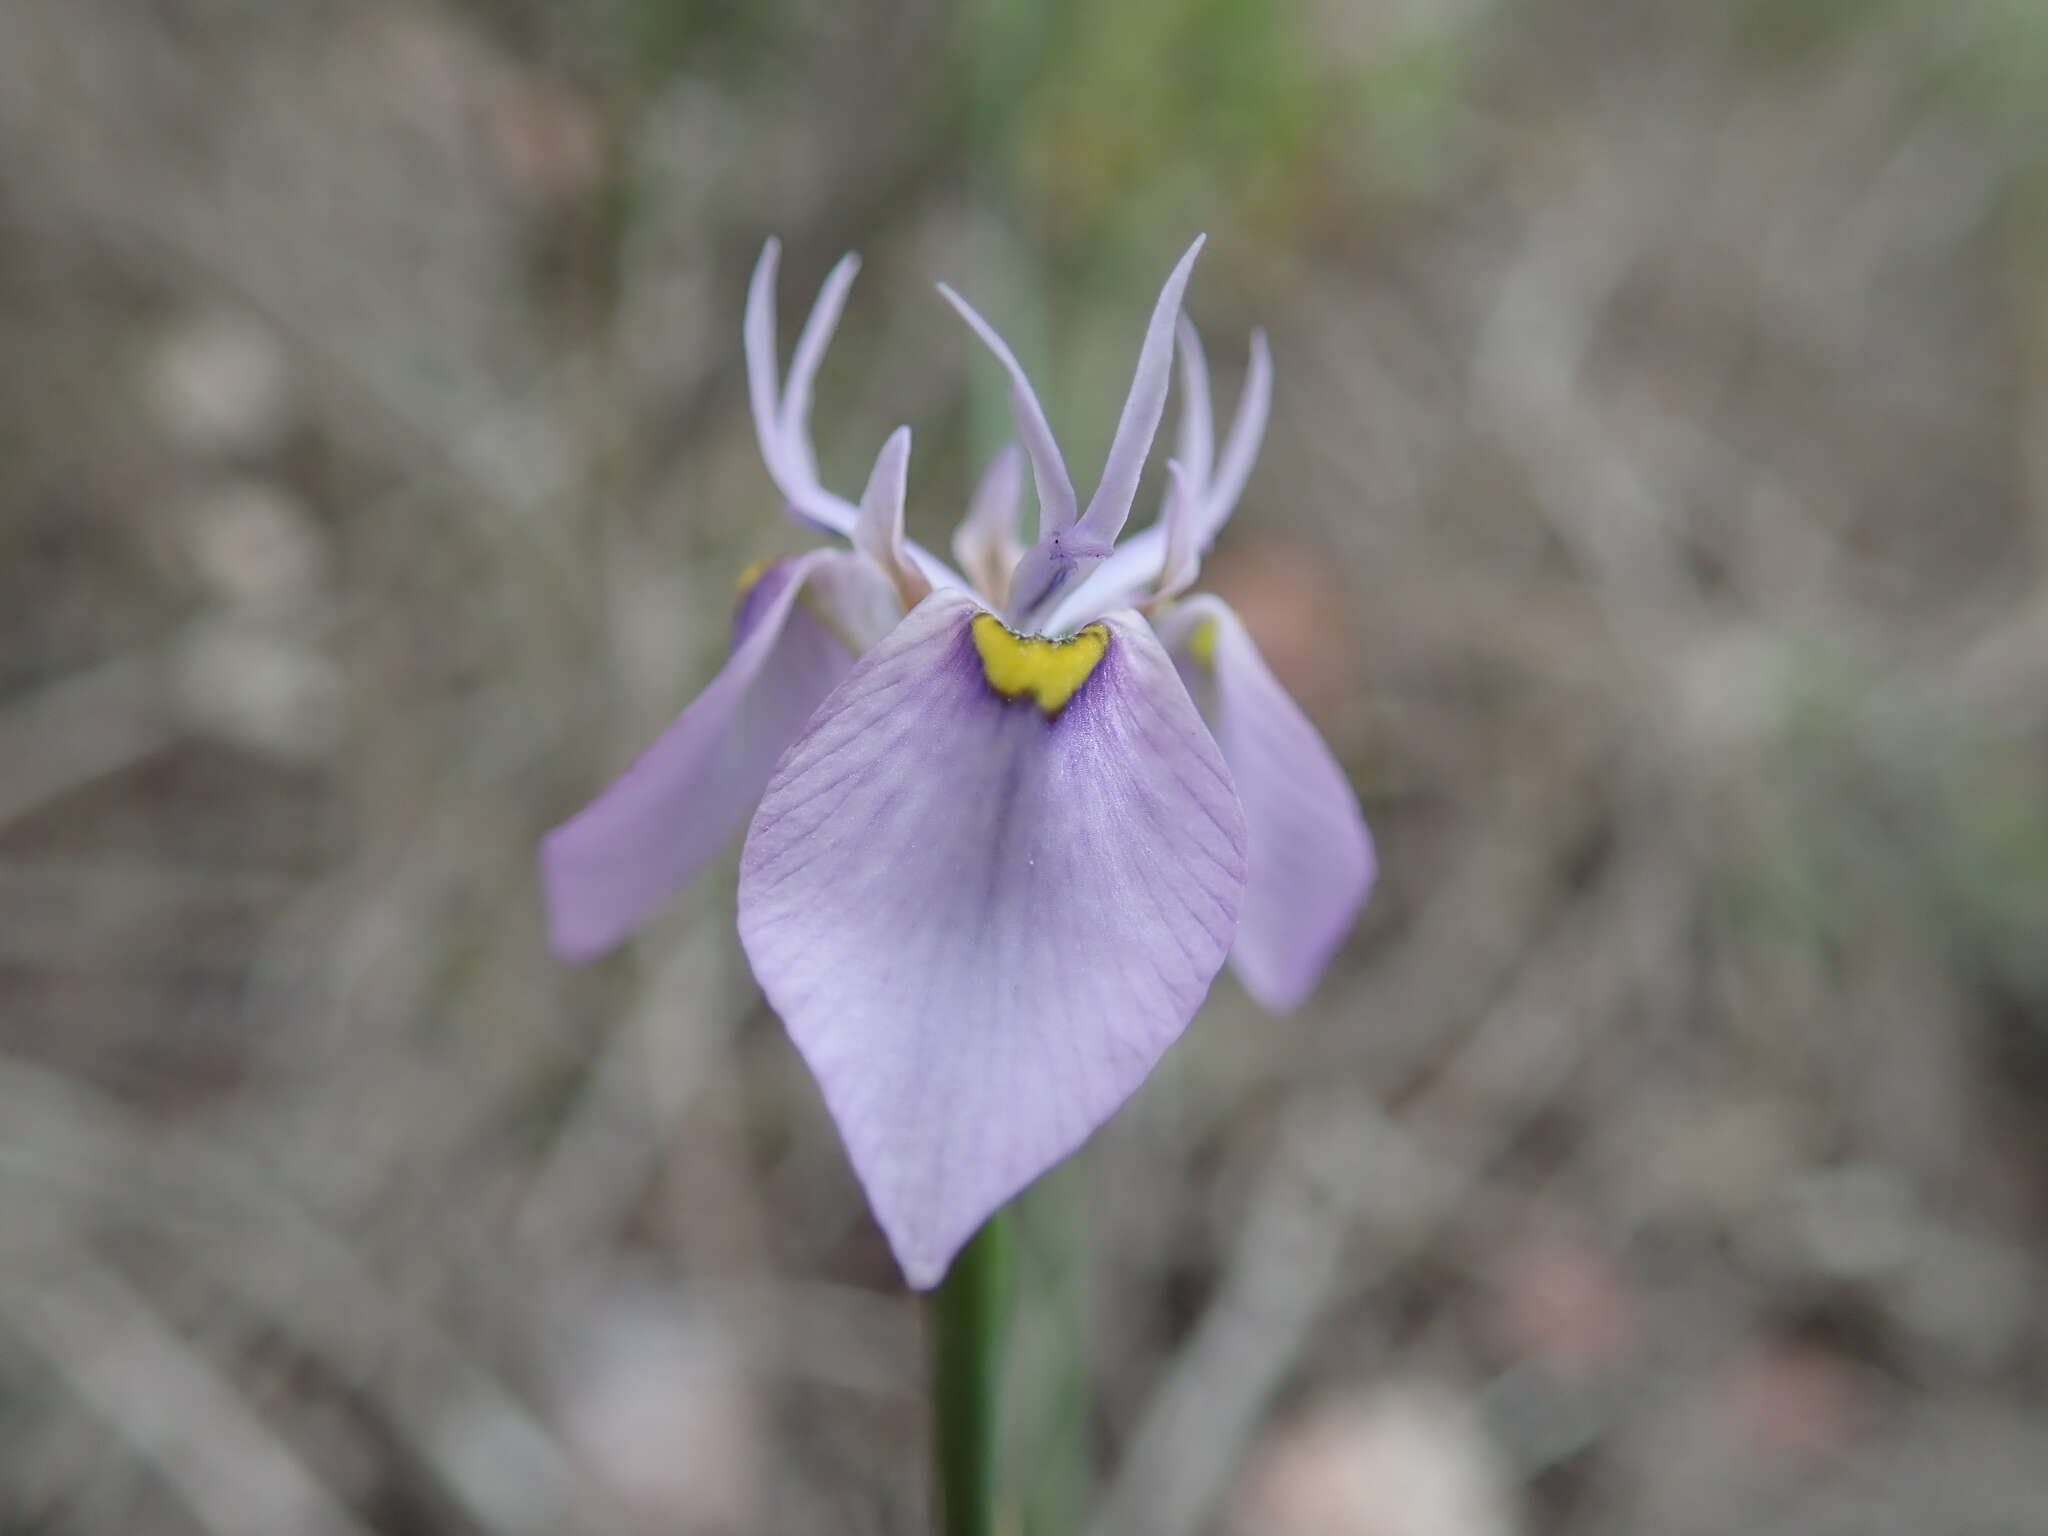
[1048, 671]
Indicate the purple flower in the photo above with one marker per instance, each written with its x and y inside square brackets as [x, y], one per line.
[1006, 826]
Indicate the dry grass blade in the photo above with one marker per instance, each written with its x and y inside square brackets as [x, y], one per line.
[1344, 1174]
[173, 1406]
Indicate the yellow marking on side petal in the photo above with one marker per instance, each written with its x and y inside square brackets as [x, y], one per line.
[1202, 642]
[751, 576]
[1048, 671]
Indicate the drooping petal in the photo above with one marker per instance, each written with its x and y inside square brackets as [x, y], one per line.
[879, 533]
[1110, 507]
[1310, 856]
[1048, 469]
[615, 863]
[983, 922]
[986, 543]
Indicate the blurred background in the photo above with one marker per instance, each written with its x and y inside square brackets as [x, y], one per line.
[1655, 519]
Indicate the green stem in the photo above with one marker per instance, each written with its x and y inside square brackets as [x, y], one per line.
[969, 1326]
[1049, 1394]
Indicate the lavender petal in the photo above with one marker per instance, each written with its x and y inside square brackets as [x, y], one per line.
[615, 863]
[1241, 446]
[986, 543]
[1048, 469]
[879, 533]
[1196, 448]
[983, 925]
[1110, 507]
[811, 343]
[1137, 562]
[1311, 858]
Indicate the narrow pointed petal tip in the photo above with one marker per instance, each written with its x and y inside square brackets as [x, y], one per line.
[1197, 447]
[983, 919]
[1056, 500]
[613, 865]
[1247, 433]
[1311, 858]
[782, 409]
[879, 532]
[1182, 560]
[1110, 507]
[757, 335]
[987, 543]
[809, 356]
[1139, 561]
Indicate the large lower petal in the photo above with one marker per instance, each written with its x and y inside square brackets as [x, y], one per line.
[1311, 857]
[983, 922]
[615, 863]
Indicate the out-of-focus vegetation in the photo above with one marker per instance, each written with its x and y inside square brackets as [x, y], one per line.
[1655, 518]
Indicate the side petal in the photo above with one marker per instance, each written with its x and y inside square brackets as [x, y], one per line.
[615, 863]
[1311, 857]
[983, 922]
